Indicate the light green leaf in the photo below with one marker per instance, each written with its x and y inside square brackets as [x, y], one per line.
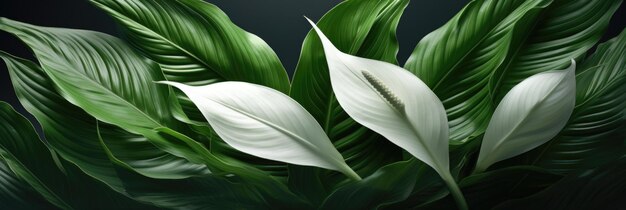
[394, 103]
[531, 114]
[266, 123]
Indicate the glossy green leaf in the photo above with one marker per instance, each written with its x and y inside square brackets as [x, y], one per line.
[100, 74]
[492, 43]
[364, 28]
[74, 135]
[196, 44]
[531, 114]
[266, 123]
[594, 133]
[565, 30]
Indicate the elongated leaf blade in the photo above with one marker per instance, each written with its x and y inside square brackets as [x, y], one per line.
[32, 161]
[531, 114]
[492, 45]
[196, 44]
[18, 194]
[392, 102]
[567, 29]
[100, 74]
[266, 123]
[75, 136]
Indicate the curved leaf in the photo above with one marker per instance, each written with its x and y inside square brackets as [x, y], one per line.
[196, 44]
[594, 133]
[492, 45]
[263, 122]
[456, 60]
[17, 194]
[394, 103]
[364, 28]
[31, 160]
[74, 135]
[565, 30]
[531, 114]
[100, 74]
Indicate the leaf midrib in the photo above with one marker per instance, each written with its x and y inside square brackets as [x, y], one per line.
[191, 55]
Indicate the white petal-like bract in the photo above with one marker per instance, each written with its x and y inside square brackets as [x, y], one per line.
[266, 123]
[531, 114]
[392, 102]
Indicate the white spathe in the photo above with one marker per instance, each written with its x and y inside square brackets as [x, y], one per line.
[531, 114]
[392, 102]
[266, 123]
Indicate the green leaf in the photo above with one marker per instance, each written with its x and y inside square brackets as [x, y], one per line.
[100, 74]
[600, 188]
[594, 133]
[196, 44]
[486, 190]
[31, 160]
[75, 136]
[565, 30]
[531, 114]
[266, 123]
[18, 194]
[364, 28]
[491, 43]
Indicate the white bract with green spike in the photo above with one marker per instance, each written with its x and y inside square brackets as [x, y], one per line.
[266, 123]
[531, 114]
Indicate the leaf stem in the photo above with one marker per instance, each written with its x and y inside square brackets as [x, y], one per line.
[455, 191]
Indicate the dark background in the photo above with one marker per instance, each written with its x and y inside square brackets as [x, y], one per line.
[278, 22]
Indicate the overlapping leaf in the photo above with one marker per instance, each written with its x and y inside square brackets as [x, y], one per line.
[595, 131]
[31, 160]
[494, 42]
[359, 27]
[18, 194]
[196, 44]
[76, 137]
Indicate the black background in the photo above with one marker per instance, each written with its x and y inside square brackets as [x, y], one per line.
[278, 22]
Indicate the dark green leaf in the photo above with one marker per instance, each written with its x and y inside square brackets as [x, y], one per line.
[18, 194]
[484, 191]
[364, 28]
[600, 188]
[31, 160]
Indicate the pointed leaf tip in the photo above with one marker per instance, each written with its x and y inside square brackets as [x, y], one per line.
[266, 123]
[529, 115]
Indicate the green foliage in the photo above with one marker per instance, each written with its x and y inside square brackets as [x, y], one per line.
[113, 139]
